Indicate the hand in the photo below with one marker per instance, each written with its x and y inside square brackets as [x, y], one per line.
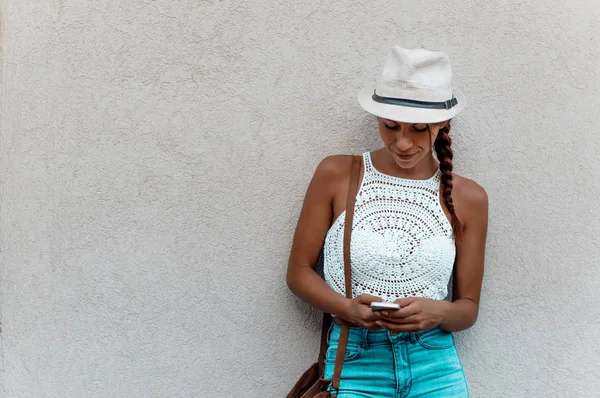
[359, 311]
[415, 314]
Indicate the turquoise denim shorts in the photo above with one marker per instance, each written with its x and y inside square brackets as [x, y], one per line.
[403, 365]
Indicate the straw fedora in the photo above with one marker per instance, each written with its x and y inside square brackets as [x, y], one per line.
[415, 87]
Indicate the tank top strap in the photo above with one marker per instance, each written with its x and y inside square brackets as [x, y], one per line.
[368, 164]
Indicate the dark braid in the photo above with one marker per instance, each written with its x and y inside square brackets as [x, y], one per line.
[444, 153]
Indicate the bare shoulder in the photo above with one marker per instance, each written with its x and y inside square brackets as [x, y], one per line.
[468, 189]
[335, 164]
[334, 167]
[469, 195]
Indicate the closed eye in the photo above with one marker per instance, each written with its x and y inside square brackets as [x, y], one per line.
[387, 126]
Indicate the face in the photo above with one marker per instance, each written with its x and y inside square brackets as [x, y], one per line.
[408, 143]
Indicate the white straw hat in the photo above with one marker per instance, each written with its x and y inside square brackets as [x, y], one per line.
[415, 87]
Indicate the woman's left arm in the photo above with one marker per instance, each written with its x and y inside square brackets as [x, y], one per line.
[471, 205]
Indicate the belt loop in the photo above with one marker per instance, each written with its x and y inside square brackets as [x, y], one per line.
[329, 331]
[365, 341]
[413, 337]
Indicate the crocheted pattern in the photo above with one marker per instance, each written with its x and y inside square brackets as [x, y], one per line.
[402, 243]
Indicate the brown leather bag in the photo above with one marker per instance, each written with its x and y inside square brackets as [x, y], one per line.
[312, 383]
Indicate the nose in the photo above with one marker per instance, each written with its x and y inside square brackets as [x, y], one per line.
[403, 141]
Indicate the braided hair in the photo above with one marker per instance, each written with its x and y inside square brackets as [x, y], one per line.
[444, 154]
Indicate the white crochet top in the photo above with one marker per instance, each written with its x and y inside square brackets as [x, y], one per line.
[402, 243]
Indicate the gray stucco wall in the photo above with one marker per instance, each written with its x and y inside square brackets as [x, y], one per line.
[154, 156]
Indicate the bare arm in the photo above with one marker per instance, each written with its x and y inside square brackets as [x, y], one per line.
[472, 208]
[314, 222]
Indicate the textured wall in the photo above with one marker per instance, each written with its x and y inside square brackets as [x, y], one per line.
[154, 156]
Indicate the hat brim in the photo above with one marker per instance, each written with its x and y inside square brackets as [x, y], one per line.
[408, 114]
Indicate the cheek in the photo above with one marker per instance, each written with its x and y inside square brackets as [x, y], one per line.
[386, 136]
[424, 140]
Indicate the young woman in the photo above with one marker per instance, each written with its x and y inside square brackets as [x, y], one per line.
[416, 224]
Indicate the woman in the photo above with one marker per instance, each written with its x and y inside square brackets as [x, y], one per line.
[416, 224]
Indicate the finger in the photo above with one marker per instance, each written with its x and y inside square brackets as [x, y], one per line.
[405, 301]
[369, 315]
[394, 327]
[401, 313]
[411, 309]
[368, 299]
[372, 326]
[403, 321]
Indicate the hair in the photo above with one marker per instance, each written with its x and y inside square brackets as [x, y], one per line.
[443, 150]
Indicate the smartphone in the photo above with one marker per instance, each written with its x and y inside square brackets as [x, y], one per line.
[384, 306]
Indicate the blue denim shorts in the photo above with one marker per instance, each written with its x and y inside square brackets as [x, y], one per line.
[402, 365]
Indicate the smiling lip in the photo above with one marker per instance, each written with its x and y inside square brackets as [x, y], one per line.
[405, 157]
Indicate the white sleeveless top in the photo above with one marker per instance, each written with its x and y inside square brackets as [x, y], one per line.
[402, 243]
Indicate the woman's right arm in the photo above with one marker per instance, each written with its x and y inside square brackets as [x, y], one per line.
[314, 222]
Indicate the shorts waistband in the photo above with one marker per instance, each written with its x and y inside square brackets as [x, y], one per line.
[366, 337]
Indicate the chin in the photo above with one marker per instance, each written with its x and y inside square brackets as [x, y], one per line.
[407, 164]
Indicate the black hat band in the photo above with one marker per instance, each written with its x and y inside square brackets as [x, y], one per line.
[414, 103]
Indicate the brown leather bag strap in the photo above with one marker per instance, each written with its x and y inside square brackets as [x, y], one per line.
[352, 192]
[324, 334]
